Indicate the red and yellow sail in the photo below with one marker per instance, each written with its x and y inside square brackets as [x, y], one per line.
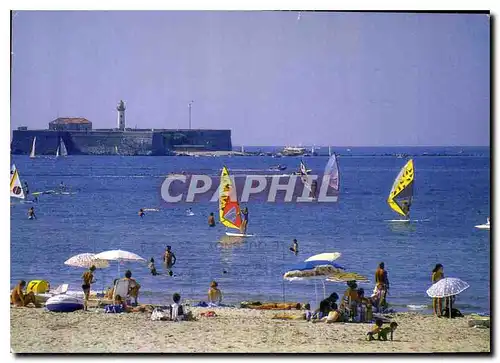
[229, 208]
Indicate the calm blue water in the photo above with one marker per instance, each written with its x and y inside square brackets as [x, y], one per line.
[452, 193]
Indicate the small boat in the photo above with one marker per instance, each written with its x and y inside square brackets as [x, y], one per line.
[64, 303]
[401, 194]
[484, 226]
[293, 151]
[332, 170]
[278, 167]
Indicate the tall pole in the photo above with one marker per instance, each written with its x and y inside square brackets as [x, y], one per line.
[189, 105]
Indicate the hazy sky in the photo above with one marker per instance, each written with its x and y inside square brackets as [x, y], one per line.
[273, 78]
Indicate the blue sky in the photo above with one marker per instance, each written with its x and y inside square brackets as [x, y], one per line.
[273, 78]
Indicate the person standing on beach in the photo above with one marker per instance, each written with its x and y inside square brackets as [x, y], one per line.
[381, 284]
[211, 220]
[88, 279]
[437, 303]
[169, 259]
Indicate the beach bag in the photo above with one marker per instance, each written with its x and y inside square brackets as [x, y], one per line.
[160, 314]
[113, 309]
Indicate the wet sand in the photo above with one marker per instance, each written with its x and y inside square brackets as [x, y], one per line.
[233, 330]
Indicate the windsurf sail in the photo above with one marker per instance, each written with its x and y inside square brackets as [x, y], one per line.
[332, 170]
[32, 153]
[57, 152]
[303, 171]
[16, 188]
[229, 208]
[62, 147]
[402, 190]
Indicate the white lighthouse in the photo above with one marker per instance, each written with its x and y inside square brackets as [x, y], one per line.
[121, 116]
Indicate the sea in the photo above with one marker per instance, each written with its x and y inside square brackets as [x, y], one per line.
[451, 196]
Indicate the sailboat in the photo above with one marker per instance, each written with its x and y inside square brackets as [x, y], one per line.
[401, 195]
[61, 149]
[16, 188]
[229, 208]
[329, 151]
[32, 153]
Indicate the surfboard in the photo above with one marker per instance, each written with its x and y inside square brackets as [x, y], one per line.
[399, 220]
[230, 234]
[483, 226]
[151, 210]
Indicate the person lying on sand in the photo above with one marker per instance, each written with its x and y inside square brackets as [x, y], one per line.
[129, 309]
[19, 298]
[382, 332]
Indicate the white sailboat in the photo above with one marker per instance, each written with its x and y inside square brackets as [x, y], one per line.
[62, 147]
[16, 188]
[329, 151]
[32, 153]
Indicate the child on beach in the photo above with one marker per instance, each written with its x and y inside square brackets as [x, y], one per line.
[177, 312]
[214, 294]
[382, 332]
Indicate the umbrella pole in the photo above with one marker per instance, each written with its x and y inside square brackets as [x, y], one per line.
[316, 292]
[324, 289]
[449, 305]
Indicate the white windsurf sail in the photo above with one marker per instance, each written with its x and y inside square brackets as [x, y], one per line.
[16, 188]
[62, 147]
[32, 153]
[57, 152]
[332, 170]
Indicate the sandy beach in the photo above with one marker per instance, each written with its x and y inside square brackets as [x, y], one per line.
[232, 330]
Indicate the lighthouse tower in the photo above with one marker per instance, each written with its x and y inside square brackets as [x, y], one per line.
[121, 116]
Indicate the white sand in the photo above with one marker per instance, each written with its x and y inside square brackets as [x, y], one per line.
[233, 330]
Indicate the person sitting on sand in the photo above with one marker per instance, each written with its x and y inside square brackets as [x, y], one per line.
[19, 298]
[177, 312]
[382, 332]
[133, 286]
[211, 220]
[108, 295]
[214, 294]
[365, 306]
[437, 303]
[350, 300]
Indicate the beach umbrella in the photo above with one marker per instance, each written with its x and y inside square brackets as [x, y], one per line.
[327, 256]
[119, 255]
[344, 276]
[446, 288]
[449, 286]
[85, 260]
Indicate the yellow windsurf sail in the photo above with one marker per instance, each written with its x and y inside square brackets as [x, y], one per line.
[229, 208]
[401, 195]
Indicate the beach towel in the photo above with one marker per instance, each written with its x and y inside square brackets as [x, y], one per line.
[114, 309]
[160, 314]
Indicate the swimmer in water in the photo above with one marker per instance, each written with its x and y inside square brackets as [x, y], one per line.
[141, 213]
[169, 259]
[295, 247]
[189, 211]
[152, 267]
[62, 187]
[31, 213]
[211, 220]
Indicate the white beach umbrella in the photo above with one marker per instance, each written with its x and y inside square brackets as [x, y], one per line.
[446, 287]
[85, 260]
[327, 256]
[119, 255]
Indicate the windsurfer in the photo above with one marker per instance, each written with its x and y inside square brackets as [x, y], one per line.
[211, 220]
[314, 187]
[406, 209]
[26, 189]
[62, 187]
[141, 213]
[244, 222]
